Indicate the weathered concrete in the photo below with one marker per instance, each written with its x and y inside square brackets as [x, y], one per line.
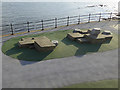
[61, 72]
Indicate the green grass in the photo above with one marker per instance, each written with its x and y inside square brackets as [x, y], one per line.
[98, 84]
[65, 48]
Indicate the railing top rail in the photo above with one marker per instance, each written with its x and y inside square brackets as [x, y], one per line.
[48, 20]
[16, 27]
[106, 13]
[74, 16]
[96, 13]
[83, 15]
[20, 23]
[102, 13]
[38, 21]
[62, 18]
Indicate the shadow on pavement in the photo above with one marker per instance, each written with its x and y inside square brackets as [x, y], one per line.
[27, 62]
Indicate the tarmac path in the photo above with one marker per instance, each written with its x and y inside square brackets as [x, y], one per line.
[64, 71]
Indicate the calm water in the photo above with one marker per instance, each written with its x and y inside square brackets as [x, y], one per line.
[19, 12]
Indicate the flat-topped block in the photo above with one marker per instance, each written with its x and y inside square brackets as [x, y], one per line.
[96, 39]
[40, 43]
[95, 35]
[81, 31]
[74, 36]
[26, 42]
[108, 37]
[44, 44]
[106, 33]
[76, 31]
[95, 31]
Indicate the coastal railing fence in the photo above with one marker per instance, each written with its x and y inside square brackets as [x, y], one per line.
[54, 23]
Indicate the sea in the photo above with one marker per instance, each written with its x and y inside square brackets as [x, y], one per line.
[20, 12]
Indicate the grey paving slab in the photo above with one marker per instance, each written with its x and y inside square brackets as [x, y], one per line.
[60, 72]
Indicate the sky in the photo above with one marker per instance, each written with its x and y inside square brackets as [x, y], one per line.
[60, 0]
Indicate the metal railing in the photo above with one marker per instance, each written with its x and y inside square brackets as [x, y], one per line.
[54, 23]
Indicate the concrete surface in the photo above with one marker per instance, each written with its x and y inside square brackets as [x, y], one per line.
[61, 72]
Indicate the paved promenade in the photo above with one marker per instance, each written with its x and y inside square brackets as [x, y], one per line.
[64, 71]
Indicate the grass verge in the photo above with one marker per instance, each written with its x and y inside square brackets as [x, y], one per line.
[65, 48]
[98, 84]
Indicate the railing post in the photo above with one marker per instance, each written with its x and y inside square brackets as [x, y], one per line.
[89, 18]
[110, 15]
[55, 22]
[68, 21]
[79, 19]
[11, 27]
[42, 25]
[100, 17]
[28, 26]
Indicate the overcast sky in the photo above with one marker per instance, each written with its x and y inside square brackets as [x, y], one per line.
[59, 0]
